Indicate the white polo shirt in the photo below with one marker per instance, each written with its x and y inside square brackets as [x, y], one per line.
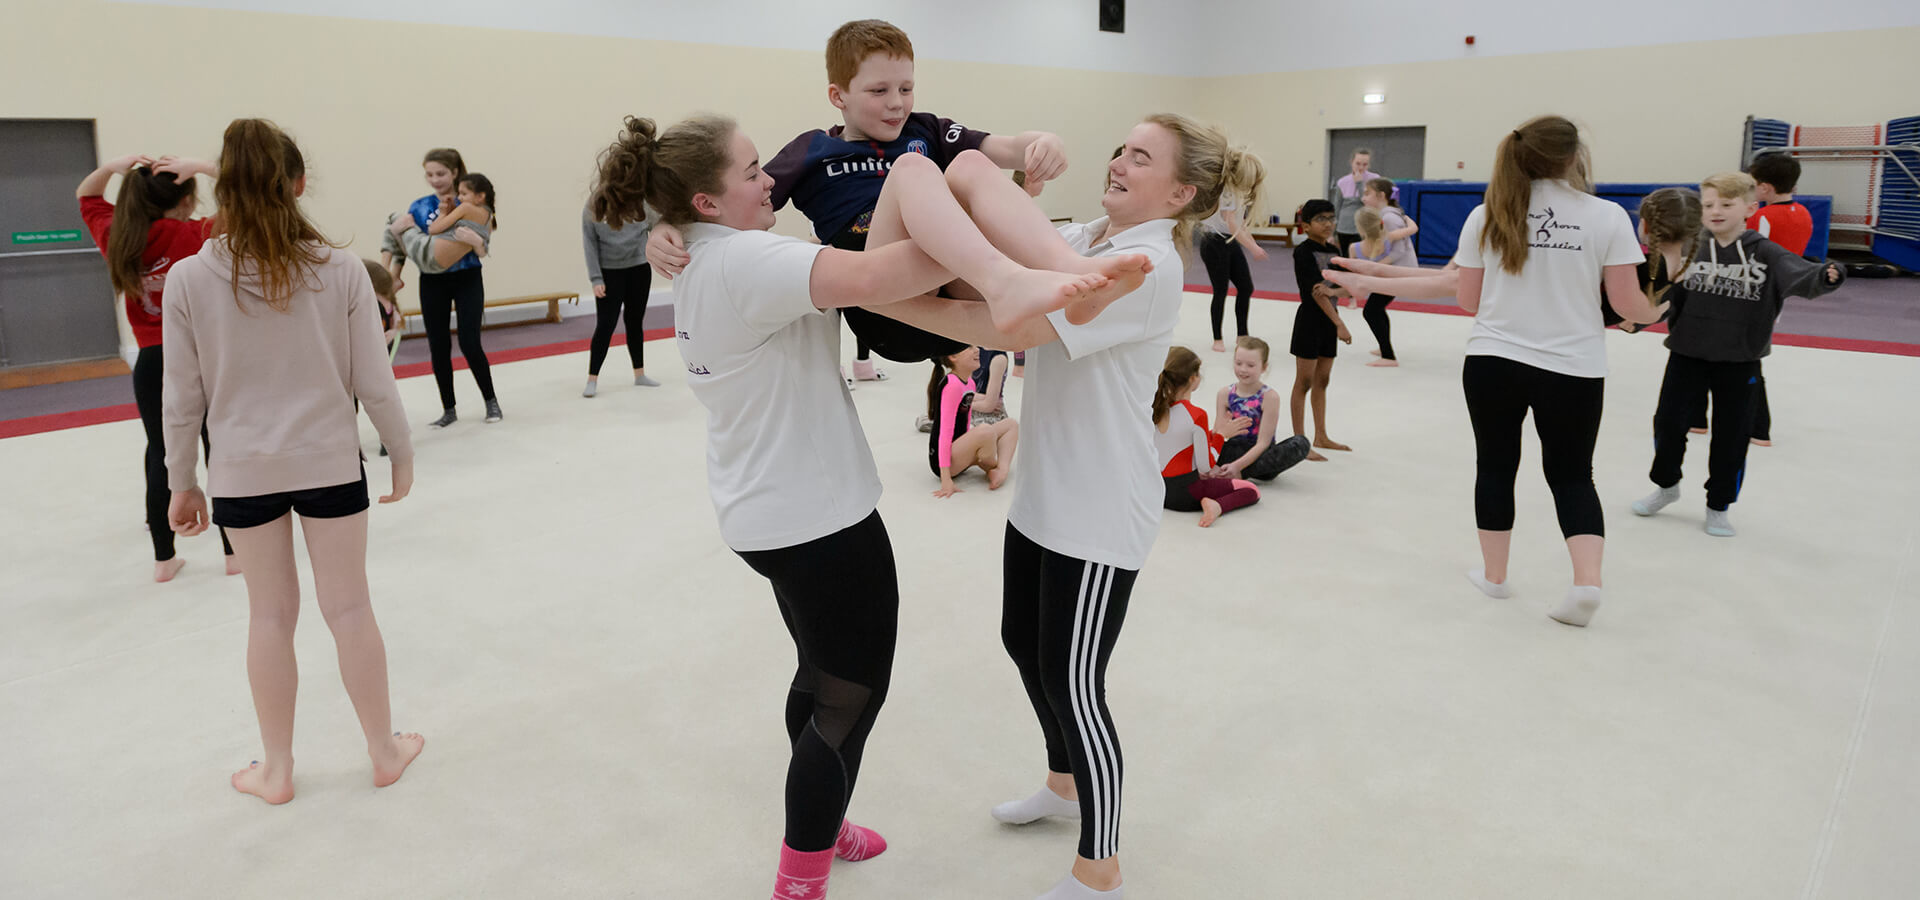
[787, 461]
[1549, 316]
[1089, 484]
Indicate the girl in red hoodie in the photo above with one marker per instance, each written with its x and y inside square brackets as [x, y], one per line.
[142, 236]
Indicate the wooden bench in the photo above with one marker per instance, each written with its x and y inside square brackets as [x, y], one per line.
[1280, 233]
[551, 300]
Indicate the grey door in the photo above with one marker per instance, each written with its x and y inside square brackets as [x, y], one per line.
[56, 302]
[1398, 153]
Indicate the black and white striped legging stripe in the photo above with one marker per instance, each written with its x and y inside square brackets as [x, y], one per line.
[1097, 738]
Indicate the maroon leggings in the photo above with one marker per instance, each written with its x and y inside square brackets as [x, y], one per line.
[1184, 492]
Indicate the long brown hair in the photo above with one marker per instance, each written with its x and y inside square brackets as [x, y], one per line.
[449, 157]
[1182, 365]
[1544, 147]
[145, 197]
[941, 366]
[266, 231]
[641, 169]
[1671, 215]
[1211, 166]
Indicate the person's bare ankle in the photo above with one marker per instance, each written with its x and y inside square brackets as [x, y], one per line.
[1062, 786]
[164, 570]
[272, 782]
[392, 756]
[1101, 875]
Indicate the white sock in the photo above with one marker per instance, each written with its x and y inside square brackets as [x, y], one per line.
[1717, 523]
[1072, 889]
[1497, 591]
[1656, 501]
[1577, 607]
[1042, 804]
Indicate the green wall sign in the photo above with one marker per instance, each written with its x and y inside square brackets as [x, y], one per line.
[59, 236]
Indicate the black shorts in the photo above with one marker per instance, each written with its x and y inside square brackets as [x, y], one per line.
[1314, 335]
[892, 339]
[336, 502]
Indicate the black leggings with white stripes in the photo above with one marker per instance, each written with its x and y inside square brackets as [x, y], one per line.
[840, 598]
[1059, 620]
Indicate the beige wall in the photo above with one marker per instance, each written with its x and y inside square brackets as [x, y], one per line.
[1660, 113]
[531, 110]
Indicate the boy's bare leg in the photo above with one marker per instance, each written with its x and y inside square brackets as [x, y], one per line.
[1297, 403]
[1323, 376]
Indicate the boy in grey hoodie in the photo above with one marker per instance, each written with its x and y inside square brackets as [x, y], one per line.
[1719, 328]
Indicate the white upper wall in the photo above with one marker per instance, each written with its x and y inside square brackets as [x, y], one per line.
[1164, 37]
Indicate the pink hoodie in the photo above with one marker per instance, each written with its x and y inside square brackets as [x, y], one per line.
[276, 390]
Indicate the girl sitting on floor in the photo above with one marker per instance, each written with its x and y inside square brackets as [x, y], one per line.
[1187, 447]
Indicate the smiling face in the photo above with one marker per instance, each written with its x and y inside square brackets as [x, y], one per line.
[439, 178]
[1142, 182]
[1373, 199]
[964, 362]
[877, 100]
[1247, 367]
[745, 200]
[1724, 216]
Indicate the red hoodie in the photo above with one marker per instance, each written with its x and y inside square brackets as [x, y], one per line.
[168, 241]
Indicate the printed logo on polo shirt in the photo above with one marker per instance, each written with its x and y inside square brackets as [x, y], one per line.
[954, 132]
[1550, 233]
[854, 167]
[917, 146]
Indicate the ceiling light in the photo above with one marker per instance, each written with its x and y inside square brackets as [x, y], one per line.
[1374, 98]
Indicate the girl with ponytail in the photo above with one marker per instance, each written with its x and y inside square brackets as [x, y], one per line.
[272, 335]
[1226, 241]
[142, 236]
[457, 290]
[1188, 448]
[791, 474]
[955, 444]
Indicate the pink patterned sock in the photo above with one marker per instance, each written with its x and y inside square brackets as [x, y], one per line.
[803, 876]
[856, 843]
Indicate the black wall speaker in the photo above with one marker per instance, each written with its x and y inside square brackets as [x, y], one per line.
[1113, 16]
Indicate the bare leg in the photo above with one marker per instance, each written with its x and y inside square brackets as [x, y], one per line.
[1297, 404]
[917, 197]
[1586, 551]
[1008, 439]
[273, 608]
[1494, 548]
[338, 548]
[1323, 376]
[1099, 874]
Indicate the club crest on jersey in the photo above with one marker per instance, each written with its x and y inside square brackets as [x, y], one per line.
[917, 146]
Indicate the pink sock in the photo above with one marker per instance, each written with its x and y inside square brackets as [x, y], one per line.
[803, 876]
[856, 843]
[1242, 485]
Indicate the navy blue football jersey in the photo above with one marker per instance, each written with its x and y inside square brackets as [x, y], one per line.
[836, 183]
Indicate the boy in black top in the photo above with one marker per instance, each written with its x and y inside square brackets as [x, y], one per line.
[1317, 329]
[1719, 328]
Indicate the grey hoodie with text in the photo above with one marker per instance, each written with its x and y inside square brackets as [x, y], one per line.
[1725, 305]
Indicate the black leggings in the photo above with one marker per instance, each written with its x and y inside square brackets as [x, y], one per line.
[1227, 263]
[441, 296]
[148, 374]
[1059, 620]
[1376, 316]
[840, 598]
[1566, 415]
[627, 287]
[1734, 387]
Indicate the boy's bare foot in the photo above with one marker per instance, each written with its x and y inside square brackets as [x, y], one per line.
[1209, 511]
[1028, 293]
[1384, 363]
[233, 564]
[1330, 444]
[1083, 310]
[163, 572]
[1314, 456]
[996, 477]
[391, 761]
[274, 787]
[1110, 266]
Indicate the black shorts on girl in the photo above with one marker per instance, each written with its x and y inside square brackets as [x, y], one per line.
[336, 502]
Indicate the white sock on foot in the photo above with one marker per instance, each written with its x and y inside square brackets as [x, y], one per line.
[1577, 607]
[1717, 523]
[1072, 889]
[1656, 501]
[1497, 591]
[1042, 804]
